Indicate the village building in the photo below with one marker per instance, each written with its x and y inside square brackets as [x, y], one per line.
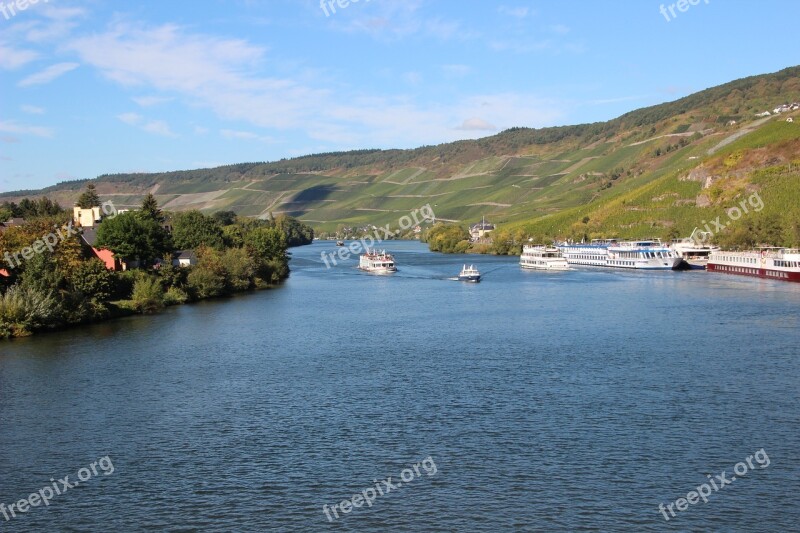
[480, 230]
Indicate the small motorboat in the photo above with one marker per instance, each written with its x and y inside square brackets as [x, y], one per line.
[469, 274]
[339, 243]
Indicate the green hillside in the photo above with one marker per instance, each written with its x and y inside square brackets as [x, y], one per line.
[625, 177]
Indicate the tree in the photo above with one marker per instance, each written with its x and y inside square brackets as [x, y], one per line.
[89, 198]
[91, 279]
[240, 267]
[151, 210]
[297, 233]
[6, 212]
[193, 229]
[225, 218]
[208, 278]
[153, 219]
[132, 237]
[448, 239]
[266, 243]
[268, 248]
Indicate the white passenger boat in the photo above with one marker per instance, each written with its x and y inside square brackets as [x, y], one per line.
[640, 255]
[643, 255]
[538, 257]
[594, 253]
[469, 274]
[770, 263]
[377, 262]
[693, 251]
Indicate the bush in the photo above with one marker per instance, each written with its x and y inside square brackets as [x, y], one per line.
[240, 267]
[93, 280]
[173, 276]
[148, 295]
[175, 296]
[24, 310]
[209, 277]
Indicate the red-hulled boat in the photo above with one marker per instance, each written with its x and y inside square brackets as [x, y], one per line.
[769, 263]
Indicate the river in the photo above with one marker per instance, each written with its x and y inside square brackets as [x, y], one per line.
[568, 401]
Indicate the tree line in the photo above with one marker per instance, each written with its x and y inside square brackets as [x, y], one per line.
[68, 285]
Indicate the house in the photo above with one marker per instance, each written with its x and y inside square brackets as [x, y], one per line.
[89, 238]
[10, 223]
[185, 258]
[480, 230]
[87, 218]
[764, 114]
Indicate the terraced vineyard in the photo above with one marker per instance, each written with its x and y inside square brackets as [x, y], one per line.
[625, 177]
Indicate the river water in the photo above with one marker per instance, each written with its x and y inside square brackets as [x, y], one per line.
[529, 402]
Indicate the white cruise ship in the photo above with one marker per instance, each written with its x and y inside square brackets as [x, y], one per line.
[543, 258]
[378, 262]
[770, 263]
[592, 254]
[695, 256]
[640, 255]
[643, 255]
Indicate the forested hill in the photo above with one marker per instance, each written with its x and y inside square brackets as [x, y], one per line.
[522, 177]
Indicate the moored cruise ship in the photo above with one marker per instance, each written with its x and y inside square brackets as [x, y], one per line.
[591, 254]
[643, 255]
[543, 258]
[695, 255]
[770, 263]
[378, 262]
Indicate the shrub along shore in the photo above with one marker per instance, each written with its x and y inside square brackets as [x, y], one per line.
[67, 284]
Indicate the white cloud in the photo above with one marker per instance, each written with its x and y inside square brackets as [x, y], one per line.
[49, 74]
[245, 136]
[57, 24]
[131, 119]
[560, 29]
[11, 58]
[227, 77]
[32, 109]
[10, 126]
[476, 124]
[156, 127]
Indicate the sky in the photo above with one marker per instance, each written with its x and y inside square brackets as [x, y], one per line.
[91, 87]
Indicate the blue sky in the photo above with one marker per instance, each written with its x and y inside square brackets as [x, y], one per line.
[92, 87]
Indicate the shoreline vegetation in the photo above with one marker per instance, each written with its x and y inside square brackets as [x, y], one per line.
[765, 231]
[46, 288]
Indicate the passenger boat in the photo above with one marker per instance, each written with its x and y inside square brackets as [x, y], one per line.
[538, 257]
[378, 262]
[694, 254]
[469, 274]
[640, 255]
[769, 263]
[643, 255]
[594, 253]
